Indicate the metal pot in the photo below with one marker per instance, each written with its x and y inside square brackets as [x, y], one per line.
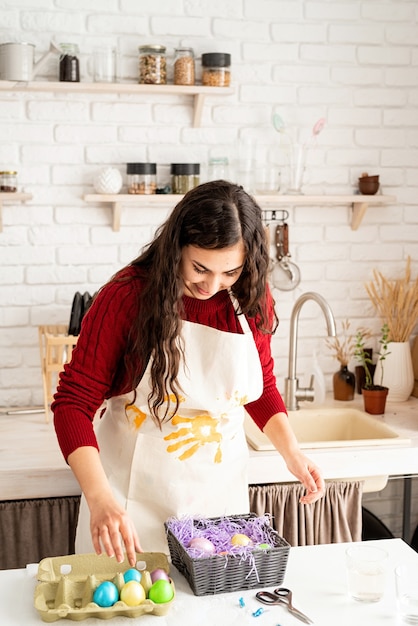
[17, 60]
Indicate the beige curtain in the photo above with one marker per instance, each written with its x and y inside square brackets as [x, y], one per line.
[335, 518]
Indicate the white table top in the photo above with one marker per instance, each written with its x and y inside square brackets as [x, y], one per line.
[316, 575]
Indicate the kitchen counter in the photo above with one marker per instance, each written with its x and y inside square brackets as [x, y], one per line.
[31, 464]
[352, 462]
[315, 574]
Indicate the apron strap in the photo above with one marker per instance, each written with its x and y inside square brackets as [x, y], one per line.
[245, 327]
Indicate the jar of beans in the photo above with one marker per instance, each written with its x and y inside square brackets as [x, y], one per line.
[216, 69]
[142, 178]
[152, 65]
[8, 181]
[184, 67]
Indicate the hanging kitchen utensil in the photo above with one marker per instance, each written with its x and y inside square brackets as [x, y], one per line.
[285, 274]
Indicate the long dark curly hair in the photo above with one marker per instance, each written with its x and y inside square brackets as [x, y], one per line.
[213, 216]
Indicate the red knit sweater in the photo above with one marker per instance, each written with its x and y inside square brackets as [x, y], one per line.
[96, 370]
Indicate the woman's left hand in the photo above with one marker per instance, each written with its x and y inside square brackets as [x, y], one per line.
[309, 475]
[279, 432]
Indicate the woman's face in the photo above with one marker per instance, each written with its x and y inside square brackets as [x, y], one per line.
[205, 272]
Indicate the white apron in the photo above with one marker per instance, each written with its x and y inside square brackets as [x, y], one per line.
[197, 463]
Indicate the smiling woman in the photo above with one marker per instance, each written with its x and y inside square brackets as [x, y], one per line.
[177, 344]
[205, 272]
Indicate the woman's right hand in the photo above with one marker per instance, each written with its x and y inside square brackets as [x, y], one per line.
[111, 527]
[112, 530]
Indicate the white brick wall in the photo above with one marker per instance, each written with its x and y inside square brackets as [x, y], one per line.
[346, 61]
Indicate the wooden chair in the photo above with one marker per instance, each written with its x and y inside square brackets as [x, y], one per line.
[56, 348]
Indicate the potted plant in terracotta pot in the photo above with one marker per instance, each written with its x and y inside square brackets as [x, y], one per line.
[396, 302]
[374, 395]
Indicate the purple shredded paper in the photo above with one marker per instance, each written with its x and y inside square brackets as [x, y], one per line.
[220, 532]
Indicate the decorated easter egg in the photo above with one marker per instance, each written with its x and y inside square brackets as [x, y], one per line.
[132, 593]
[161, 592]
[240, 540]
[159, 574]
[132, 574]
[264, 546]
[106, 594]
[202, 545]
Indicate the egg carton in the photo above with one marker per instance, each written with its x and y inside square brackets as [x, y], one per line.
[67, 583]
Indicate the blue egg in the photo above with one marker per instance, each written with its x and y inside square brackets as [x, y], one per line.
[132, 574]
[106, 594]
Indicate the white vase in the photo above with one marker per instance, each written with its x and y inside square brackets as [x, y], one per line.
[398, 373]
[108, 180]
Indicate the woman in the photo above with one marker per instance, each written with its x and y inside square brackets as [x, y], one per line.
[177, 344]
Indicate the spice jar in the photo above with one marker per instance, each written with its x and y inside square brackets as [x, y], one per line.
[216, 69]
[8, 181]
[218, 168]
[184, 67]
[152, 65]
[142, 177]
[184, 176]
[69, 67]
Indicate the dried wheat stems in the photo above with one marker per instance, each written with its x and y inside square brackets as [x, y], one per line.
[396, 302]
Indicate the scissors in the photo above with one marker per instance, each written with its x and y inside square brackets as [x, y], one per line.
[281, 595]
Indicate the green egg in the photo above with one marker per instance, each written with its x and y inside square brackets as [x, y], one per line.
[161, 592]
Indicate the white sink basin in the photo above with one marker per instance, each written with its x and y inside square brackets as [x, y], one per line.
[330, 428]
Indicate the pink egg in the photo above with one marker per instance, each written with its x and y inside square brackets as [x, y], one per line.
[159, 574]
[202, 545]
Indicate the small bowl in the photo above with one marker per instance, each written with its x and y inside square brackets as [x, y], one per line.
[368, 185]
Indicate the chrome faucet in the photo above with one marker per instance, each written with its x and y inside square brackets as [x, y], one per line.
[294, 393]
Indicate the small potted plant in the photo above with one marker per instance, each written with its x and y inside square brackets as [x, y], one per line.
[343, 346]
[374, 395]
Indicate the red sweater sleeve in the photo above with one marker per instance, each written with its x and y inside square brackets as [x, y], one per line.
[95, 364]
[270, 402]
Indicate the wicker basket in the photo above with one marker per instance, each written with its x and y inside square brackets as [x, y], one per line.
[225, 573]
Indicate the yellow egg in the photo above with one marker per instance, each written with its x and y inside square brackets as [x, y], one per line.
[240, 540]
[132, 593]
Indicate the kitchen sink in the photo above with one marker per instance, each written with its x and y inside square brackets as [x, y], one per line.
[330, 428]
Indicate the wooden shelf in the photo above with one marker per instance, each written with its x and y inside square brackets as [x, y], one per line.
[197, 92]
[11, 198]
[359, 203]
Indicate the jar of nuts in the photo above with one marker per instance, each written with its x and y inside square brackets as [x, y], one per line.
[216, 69]
[142, 177]
[184, 68]
[152, 65]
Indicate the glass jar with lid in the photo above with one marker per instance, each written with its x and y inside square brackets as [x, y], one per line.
[216, 69]
[184, 176]
[69, 67]
[142, 178]
[152, 65]
[184, 66]
[8, 181]
[218, 168]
